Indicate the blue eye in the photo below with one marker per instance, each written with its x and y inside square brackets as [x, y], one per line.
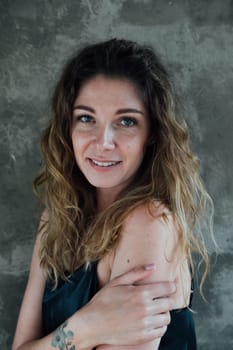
[85, 118]
[128, 122]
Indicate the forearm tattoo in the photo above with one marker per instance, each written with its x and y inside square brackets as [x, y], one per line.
[62, 339]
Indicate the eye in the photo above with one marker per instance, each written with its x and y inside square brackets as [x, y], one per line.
[128, 122]
[85, 118]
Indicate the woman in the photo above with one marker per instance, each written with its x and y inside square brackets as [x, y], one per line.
[123, 199]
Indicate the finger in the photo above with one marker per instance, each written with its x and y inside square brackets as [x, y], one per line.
[155, 333]
[134, 275]
[161, 305]
[158, 321]
[160, 289]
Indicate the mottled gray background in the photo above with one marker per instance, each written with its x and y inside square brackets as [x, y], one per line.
[195, 40]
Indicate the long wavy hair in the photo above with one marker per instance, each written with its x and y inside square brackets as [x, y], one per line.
[75, 232]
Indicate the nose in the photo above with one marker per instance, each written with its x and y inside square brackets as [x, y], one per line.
[105, 138]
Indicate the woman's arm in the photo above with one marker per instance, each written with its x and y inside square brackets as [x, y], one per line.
[96, 322]
[146, 239]
[28, 333]
[119, 303]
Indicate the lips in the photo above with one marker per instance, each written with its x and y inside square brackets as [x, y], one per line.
[104, 164]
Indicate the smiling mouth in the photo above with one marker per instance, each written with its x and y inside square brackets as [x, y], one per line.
[105, 164]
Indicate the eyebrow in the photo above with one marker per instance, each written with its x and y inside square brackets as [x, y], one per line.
[119, 111]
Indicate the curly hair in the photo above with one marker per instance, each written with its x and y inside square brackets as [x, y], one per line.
[75, 233]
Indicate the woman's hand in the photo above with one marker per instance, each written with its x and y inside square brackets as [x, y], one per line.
[124, 313]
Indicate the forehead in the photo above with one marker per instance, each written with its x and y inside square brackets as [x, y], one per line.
[102, 89]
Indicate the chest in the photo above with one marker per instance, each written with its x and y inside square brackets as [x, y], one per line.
[104, 269]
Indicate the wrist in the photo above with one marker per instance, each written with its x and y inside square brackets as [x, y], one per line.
[83, 330]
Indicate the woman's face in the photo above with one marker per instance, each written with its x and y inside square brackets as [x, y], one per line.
[109, 132]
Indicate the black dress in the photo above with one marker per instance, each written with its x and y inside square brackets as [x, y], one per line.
[69, 296]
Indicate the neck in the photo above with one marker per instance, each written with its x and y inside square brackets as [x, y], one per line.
[105, 197]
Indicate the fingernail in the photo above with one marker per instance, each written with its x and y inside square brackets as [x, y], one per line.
[149, 267]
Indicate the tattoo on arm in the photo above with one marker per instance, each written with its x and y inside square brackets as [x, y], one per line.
[62, 339]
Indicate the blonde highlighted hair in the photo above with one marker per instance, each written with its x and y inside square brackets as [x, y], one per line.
[75, 233]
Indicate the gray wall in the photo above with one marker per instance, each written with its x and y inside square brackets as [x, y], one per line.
[195, 40]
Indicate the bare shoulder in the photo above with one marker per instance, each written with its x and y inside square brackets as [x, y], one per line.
[44, 218]
[36, 272]
[150, 211]
[155, 219]
[45, 215]
[149, 235]
[35, 264]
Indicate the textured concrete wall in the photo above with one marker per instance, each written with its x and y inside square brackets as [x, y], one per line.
[195, 40]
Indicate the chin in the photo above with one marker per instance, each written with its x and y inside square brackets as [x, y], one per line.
[103, 184]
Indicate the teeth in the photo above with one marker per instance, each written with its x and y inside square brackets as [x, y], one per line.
[104, 164]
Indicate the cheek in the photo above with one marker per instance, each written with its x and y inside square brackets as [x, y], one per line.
[78, 142]
[137, 146]
[134, 153]
[77, 149]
